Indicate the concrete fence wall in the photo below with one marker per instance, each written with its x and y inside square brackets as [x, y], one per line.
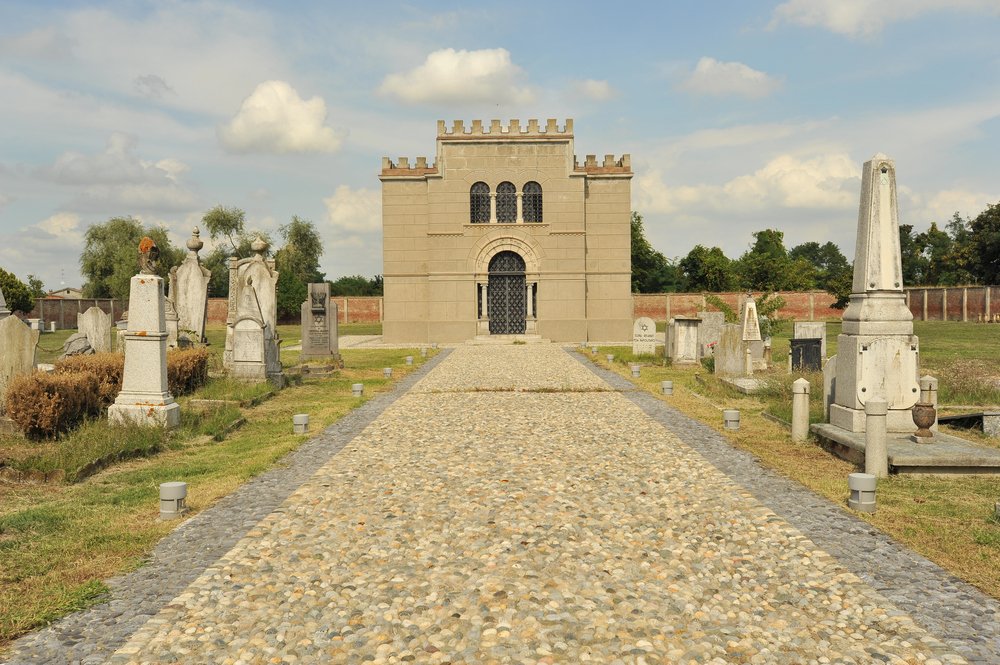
[953, 303]
[65, 311]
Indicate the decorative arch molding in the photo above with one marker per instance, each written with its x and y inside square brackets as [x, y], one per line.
[500, 240]
[519, 177]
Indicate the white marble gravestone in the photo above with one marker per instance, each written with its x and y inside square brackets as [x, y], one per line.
[730, 351]
[319, 323]
[644, 336]
[709, 331]
[811, 330]
[144, 398]
[749, 323]
[684, 339]
[252, 343]
[96, 325]
[4, 312]
[189, 292]
[17, 352]
[877, 352]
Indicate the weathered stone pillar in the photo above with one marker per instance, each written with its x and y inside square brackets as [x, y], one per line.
[800, 410]
[876, 449]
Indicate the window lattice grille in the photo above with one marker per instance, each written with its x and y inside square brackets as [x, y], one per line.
[479, 203]
[531, 202]
[506, 202]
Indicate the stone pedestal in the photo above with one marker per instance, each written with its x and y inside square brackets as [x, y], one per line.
[144, 397]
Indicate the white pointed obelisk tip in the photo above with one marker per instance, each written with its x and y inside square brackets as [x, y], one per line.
[877, 260]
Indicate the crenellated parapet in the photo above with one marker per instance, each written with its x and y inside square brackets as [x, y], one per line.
[513, 129]
[401, 167]
[610, 165]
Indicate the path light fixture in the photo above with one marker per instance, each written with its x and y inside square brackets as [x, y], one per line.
[387, 372]
[667, 387]
[173, 500]
[731, 419]
[300, 423]
[862, 486]
[358, 389]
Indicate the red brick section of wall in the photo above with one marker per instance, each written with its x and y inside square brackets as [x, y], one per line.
[945, 303]
[359, 309]
[811, 305]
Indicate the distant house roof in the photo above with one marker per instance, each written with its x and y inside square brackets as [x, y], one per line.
[68, 292]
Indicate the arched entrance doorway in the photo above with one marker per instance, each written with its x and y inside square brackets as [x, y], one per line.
[507, 307]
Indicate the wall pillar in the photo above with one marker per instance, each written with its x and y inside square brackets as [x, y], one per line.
[924, 314]
[965, 304]
[520, 212]
[493, 208]
[944, 304]
[988, 296]
[529, 287]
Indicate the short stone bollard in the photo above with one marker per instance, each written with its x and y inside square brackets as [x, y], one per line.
[409, 360]
[387, 372]
[434, 345]
[423, 352]
[876, 449]
[862, 486]
[358, 389]
[731, 418]
[593, 349]
[667, 387]
[300, 423]
[635, 370]
[800, 410]
[610, 357]
[173, 500]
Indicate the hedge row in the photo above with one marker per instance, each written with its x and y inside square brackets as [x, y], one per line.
[45, 405]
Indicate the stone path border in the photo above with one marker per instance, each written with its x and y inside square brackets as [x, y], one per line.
[954, 611]
[89, 637]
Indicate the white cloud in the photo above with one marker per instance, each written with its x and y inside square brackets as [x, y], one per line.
[821, 182]
[598, 91]
[152, 86]
[448, 76]
[274, 119]
[863, 18]
[117, 164]
[63, 225]
[714, 77]
[41, 44]
[357, 210]
[922, 209]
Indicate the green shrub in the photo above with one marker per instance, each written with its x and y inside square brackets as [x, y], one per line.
[45, 405]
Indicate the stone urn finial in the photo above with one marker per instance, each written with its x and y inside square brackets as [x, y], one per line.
[195, 243]
[924, 415]
[149, 256]
[259, 245]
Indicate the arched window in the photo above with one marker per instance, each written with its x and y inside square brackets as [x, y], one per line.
[479, 203]
[506, 202]
[531, 202]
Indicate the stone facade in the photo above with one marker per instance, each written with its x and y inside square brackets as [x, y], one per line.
[506, 233]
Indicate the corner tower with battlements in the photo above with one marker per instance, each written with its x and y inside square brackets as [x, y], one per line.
[506, 233]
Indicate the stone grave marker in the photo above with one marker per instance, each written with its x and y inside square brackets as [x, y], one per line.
[17, 353]
[252, 342]
[644, 336]
[684, 340]
[749, 324]
[144, 397]
[319, 324]
[878, 354]
[709, 331]
[96, 325]
[4, 312]
[730, 351]
[189, 292]
[811, 330]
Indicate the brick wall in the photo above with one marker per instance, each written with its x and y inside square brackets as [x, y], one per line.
[350, 309]
[806, 306]
[953, 303]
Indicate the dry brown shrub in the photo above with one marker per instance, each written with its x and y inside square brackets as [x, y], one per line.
[45, 405]
[187, 370]
[107, 367]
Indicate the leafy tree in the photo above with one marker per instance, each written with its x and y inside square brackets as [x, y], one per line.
[111, 256]
[766, 266]
[935, 245]
[832, 271]
[356, 285]
[960, 261]
[36, 286]
[985, 230]
[914, 263]
[652, 272]
[16, 293]
[706, 269]
[298, 264]
[228, 222]
[768, 306]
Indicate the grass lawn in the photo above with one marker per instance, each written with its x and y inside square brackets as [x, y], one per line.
[949, 520]
[58, 542]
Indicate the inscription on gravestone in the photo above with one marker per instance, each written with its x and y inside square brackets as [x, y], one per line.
[644, 336]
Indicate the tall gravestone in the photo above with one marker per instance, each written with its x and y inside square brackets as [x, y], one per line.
[144, 397]
[644, 336]
[17, 353]
[684, 339]
[4, 312]
[753, 342]
[96, 325]
[189, 292]
[877, 352]
[252, 343]
[709, 331]
[319, 324]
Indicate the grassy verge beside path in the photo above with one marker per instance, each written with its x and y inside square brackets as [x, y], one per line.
[58, 542]
[948, 520]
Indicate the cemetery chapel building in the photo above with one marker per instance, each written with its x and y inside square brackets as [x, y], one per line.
[506, 233]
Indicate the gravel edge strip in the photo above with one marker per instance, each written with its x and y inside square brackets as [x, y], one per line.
[949, 608]
[90, 636]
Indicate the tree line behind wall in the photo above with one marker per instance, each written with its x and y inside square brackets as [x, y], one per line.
[966, 252]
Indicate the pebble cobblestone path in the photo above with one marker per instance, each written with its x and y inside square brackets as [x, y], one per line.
[513, 506]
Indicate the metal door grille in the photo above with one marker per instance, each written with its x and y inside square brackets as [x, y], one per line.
[507, 298]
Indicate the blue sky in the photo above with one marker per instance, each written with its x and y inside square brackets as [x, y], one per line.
[739, 116]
